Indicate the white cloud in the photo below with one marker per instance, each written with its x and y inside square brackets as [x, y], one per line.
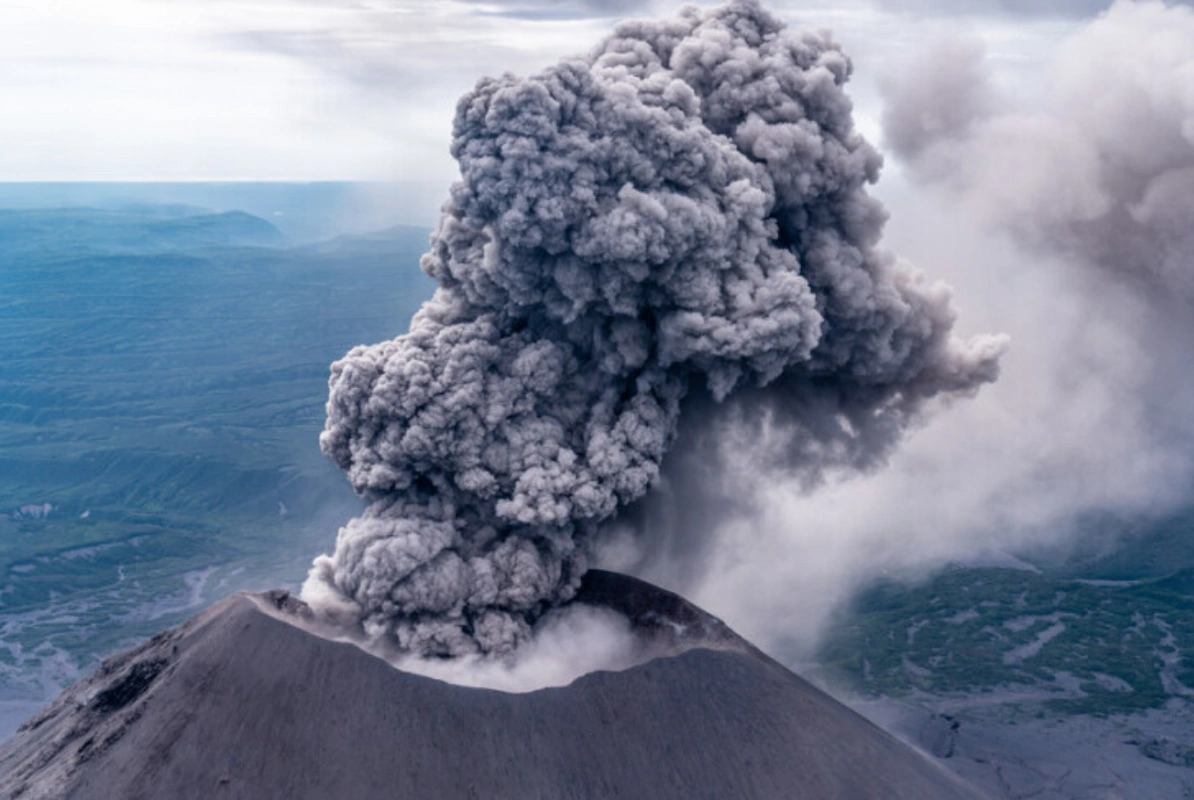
[184, 89]
[304, 89]
[1091, 414]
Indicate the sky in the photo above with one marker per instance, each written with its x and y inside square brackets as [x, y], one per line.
[172, 90]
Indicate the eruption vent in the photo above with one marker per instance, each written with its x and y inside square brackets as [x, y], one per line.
[676, 220]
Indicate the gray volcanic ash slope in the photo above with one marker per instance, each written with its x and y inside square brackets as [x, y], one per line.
[240, 702]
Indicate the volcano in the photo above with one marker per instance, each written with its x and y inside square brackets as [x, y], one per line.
[244, 701]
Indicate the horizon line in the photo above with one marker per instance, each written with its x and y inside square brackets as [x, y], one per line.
[304, 181]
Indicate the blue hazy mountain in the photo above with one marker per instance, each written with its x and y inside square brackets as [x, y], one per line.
[163, 373]
[303, 211]
[65, 231]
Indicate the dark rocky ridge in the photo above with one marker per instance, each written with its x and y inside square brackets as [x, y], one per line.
[241, 702]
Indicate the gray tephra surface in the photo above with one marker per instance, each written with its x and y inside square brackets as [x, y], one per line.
[239, 703]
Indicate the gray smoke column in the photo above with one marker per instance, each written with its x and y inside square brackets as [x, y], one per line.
[677, 219]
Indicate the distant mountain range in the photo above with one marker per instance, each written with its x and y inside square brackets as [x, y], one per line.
[87, 230]
[305, 211]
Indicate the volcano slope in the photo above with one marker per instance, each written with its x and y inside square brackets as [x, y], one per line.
[243, 702]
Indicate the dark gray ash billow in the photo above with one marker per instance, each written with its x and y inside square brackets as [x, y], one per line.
[677, 219]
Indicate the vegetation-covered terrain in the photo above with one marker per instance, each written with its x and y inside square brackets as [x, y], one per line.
[1100, 636]
[163, 374]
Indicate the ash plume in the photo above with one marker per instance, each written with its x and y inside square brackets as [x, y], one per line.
[1099, 169]
[670, 233]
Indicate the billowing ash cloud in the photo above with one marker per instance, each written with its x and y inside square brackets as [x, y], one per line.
[1101, 168]
[676, 221]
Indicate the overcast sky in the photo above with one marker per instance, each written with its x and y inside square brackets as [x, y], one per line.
[362, 90]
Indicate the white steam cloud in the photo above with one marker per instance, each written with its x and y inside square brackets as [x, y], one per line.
[1101, 169]
[666, 236]
[1062, 219]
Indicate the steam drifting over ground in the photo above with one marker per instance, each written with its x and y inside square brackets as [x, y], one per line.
[1038, 209]
[666, 237]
